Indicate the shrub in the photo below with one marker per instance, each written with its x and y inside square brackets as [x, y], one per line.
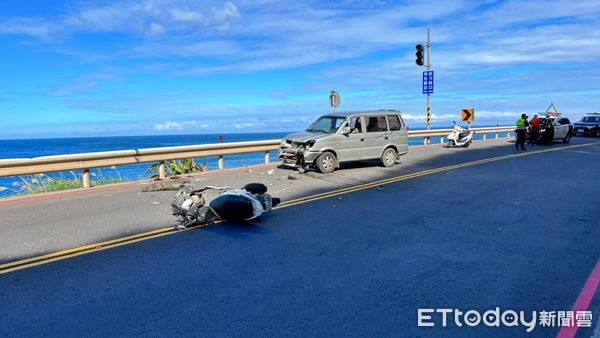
[178, 167]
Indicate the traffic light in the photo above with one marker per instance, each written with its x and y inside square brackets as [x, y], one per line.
[420, 55]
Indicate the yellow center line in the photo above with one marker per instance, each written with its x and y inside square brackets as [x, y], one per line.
[82, 250]
[417, 174]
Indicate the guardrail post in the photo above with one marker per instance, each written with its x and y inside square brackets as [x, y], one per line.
[221, 163]
[425, 139]
[485, 136]
[86, 178]
[267, 157]
[496, 135]
[162, 170]
[441, 139]
[508, 135]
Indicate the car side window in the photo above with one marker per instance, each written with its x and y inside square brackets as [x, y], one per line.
[355, 125]
[394, 122]
[566, 121]
[376, 124]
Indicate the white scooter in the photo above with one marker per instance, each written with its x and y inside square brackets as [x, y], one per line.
[460, 137]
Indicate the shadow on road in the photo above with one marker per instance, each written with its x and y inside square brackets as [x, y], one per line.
[239, 230]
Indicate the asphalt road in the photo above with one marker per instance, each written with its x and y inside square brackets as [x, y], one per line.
[43, 225]
[518, 234]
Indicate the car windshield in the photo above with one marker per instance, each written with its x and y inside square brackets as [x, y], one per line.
[590, 119]
[326, 124]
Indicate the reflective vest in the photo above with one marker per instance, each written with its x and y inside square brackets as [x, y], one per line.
[521, 124]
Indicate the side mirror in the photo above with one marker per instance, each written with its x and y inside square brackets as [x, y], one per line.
[345, 130]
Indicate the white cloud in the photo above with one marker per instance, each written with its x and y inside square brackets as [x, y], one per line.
[228, 11]
[489, 56]
[34, 27]
[126, 17]
[155, 29]
[271, 36]
[170, 125]
[244, 125]
[84, 84]
[186, 15]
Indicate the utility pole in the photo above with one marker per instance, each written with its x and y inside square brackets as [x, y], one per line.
[427, 75]
[428, 68]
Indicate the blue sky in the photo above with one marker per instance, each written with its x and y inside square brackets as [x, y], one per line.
[94, 68]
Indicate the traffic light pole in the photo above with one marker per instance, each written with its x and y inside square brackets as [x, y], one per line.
[428, 68]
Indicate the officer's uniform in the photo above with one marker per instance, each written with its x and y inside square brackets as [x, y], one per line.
[521, 133]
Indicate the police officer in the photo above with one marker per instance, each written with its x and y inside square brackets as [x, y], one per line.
[521, 132]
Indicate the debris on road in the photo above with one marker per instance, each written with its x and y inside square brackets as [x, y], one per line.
[292, 177]
[163, 186]
[380, 187]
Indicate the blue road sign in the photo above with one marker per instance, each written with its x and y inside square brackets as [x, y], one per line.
[428, 82]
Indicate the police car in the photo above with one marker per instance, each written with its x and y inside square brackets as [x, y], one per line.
[555, 127]
[588, 125]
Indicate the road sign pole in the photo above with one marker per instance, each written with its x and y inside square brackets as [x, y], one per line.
[428, 68]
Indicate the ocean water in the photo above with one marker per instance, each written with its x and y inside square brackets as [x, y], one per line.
[29, 148]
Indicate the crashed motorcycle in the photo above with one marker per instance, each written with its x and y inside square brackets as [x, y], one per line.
[210, 204]
[460, 137]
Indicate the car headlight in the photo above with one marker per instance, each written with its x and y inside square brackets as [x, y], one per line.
[310, 144]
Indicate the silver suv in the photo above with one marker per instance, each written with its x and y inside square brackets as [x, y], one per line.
[351, 136]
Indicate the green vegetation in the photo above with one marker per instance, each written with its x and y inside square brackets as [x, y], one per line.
[40, 183]
[178, 167]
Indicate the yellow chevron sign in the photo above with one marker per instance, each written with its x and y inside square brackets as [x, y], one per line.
[468, 114]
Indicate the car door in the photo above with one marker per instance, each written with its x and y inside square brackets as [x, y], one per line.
[559, 129]
[352, 145]
[376, 136]
[398, 134]
[566, 124]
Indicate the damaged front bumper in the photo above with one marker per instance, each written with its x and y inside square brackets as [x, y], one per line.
[296, 154]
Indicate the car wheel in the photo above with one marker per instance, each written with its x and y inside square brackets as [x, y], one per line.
[326, 162]
[468, 144]
[389, 157]
[450, 143]
[567, 138]
[596, 132]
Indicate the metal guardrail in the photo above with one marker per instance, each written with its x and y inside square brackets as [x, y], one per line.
[87, 161]
[427, 134]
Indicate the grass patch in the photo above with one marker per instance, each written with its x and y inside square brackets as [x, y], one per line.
[41, 183]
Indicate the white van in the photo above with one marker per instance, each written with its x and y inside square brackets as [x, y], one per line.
[351, 136]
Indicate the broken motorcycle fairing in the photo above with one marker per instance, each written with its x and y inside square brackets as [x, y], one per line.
[210, 204]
